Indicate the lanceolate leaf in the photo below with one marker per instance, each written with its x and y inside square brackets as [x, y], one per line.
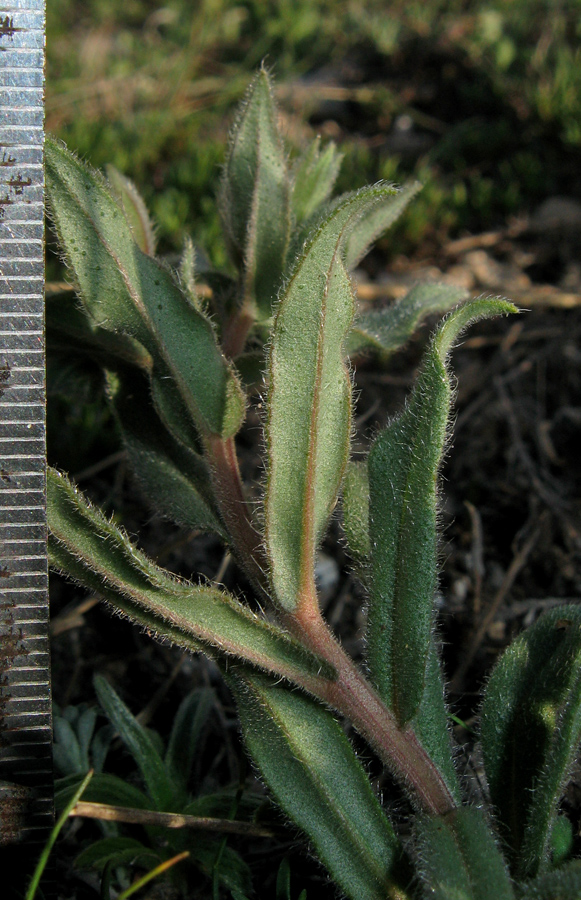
[104, 789]
[309, 765]
[187, 272]
[314, 176]
[562, 884]
[117, 851]
[134, 209]
[256, 197]
[126, 291]
[374, 222]
[533, 701]
[459, 858]
[174, 478]
[403, 468]
[101, 551]
[430, 723]
[160, 785]
[309, 410]
[389, 329]
[187, 727]
[355, 497]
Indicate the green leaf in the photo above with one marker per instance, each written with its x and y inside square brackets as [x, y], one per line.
[189, 721]
[283, 880]
[403, 467]
[562, 840]
[309, 765]
[431, 723]
[134, 209]
[171, 409]
[97, 553]
[67, 755]
[313, 177]
[389, 329]
[375, 222]
[187, 273]
[562, 884]
[232, 871]
[104, 788]
[533, 701]
[309, 403]
[124, 290]
[160, 785]
[459, 859]
[175, 479]
[255, 197]
[118, 851]
[355, 496]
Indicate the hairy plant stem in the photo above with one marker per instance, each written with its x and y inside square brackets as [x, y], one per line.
[229, 492]
[350, 694]
[354, 697]
[236, 331]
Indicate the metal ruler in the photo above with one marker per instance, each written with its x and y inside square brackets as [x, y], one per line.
[25, 717]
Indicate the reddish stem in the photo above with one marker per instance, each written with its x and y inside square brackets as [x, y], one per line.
[352, 696]
[236, 332]
[229, 492]
[349, 693]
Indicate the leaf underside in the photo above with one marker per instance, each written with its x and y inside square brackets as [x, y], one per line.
[126, 291]
[533, 700]
[459, 859]
[255, 197]
[387, 330]
[96, 552]
[403, 467]
[309, 403]
[315, 777]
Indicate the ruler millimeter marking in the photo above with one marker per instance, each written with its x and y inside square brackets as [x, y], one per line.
[25, 718]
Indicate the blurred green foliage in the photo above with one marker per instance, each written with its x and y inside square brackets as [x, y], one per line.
[493, 87]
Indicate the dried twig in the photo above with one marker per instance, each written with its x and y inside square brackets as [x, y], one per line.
[132, 816]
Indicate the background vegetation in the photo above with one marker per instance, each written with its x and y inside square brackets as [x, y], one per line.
[480, 100]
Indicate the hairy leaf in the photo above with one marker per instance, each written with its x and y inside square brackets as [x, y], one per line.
[187, 272]
[255, 197]
[374, 222]
[97, 553]
[430, 722]
[315, 777]
[160, 785]
[459, 858]
[355, 496]
[126, 291]
[389, 329]
[403, 468]
[134, 208]
[174, 478]
[309, 403]
[533, 701]
[314, 175]
[562, 884]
